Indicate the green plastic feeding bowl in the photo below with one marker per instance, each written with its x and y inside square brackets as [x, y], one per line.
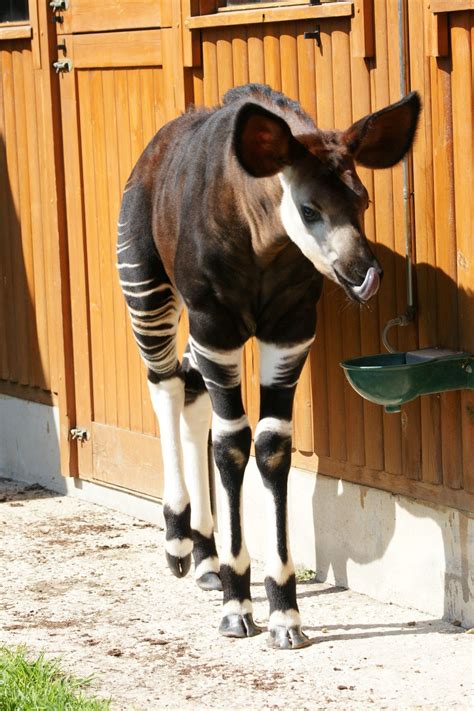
[391, 379]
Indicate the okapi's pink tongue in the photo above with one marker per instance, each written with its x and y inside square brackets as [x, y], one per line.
[369, 286]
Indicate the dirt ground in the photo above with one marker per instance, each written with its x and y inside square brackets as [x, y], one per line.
[90, 585]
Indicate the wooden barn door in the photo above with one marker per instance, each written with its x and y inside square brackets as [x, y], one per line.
[113, 99]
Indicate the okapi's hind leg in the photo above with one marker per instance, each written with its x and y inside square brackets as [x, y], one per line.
[154, 307]
[178, 394]
[195, 426]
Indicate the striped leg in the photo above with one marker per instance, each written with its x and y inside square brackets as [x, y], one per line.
[154, 307]
[280, 367]
[231, 439]
[195, 425]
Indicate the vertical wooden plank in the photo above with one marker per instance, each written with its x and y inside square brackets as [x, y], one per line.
[349, 319]
[426, 296]
[331, 303]
[462, 25]
[77, 265]
[209, 58]
[256, 54]
[306, 69]
[41, 370]
[24, 284]
[369, 329]
[446, 272]
[117, 317]
[271, 52]
[362, 29]
[311, 397]
[407, 336]
[384, 229]
[57, 275]
[95, 306]
[289, 60]
[127, 87]
[5, 199]
[225, 74]
[240, 62]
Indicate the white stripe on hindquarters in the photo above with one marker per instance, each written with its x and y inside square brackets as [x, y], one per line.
[277, 362]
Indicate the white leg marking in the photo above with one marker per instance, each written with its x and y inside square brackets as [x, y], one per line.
[179, 547]
[195, 423]
[167, 398]
[273, 424]
[289, 618]
[274, 566]
[235, 607]
[276, 361]
[222, 427]
[208, 565]
[241, 562]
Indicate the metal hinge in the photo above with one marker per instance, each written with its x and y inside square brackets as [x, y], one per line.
[79, 433]
[59, 5]
[62, 65]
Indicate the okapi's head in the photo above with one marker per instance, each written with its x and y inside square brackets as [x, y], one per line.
[323, 202]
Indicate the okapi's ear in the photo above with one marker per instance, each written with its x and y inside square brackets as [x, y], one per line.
[381, 139]
[263, 141]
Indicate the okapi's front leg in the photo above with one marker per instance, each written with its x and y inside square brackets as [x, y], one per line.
[280, 367]
[231, 437]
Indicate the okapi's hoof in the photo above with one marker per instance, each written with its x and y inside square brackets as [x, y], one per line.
[209, 581]
[287, 638]
[238, 626]
[178, 566]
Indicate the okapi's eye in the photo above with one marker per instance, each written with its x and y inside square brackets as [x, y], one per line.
[310, 215]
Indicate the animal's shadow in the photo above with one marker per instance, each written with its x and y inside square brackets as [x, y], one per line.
[364, 528]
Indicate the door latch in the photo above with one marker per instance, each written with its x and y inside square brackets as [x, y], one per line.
[63, 65]
[79, 433]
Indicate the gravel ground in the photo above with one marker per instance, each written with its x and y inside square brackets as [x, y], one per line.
[90, 585]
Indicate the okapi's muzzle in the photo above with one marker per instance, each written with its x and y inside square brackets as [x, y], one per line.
[362, 280]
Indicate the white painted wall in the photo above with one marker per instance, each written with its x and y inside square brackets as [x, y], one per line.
[393, 548]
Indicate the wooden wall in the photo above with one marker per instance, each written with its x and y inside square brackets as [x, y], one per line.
[28, 346]
[426, 450]
[110, 108]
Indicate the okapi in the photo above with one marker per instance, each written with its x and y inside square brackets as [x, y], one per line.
[238, 212]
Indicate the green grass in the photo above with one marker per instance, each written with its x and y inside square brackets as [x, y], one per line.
[40, 685]
[304, 575]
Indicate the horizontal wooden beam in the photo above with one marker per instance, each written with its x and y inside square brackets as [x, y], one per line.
[441, 495]
[275, 14]
[450, 5]
[117, 49]
[12, 32]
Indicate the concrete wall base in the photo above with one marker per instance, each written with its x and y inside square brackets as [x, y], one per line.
[390, 547]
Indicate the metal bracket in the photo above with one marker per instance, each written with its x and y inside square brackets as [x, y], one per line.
[79, 433]
[315, 34]
[63, 65]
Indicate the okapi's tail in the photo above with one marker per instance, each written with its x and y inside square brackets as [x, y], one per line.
[153, 302]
